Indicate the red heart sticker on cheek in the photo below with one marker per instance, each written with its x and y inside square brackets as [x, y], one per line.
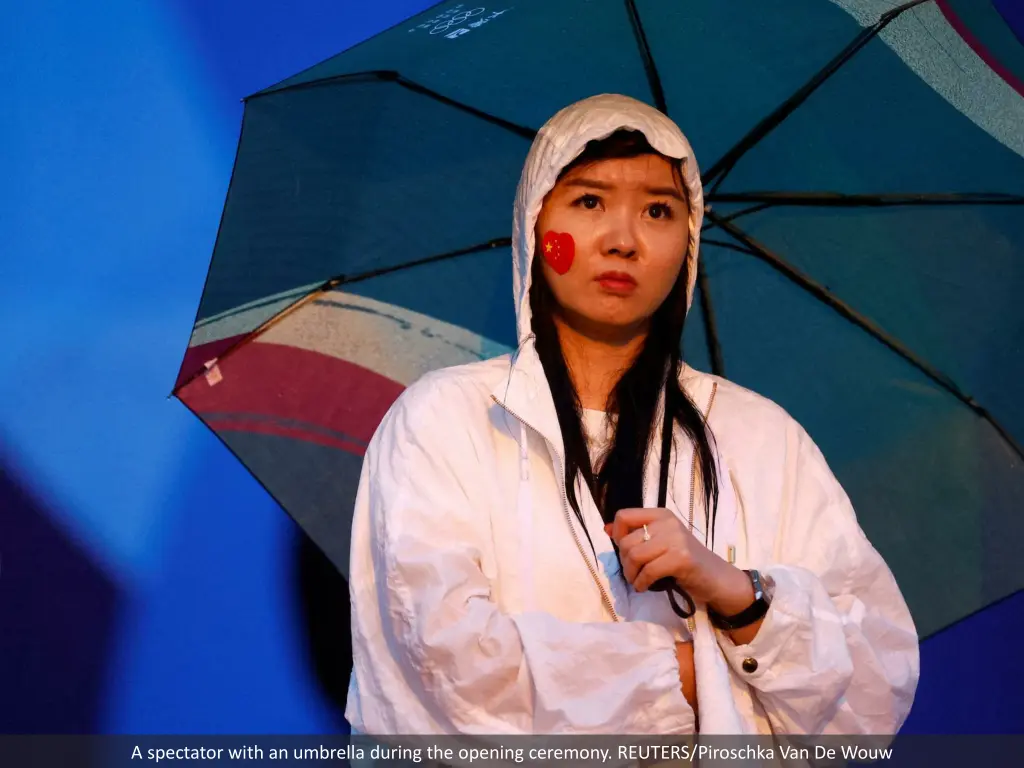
[558, 249]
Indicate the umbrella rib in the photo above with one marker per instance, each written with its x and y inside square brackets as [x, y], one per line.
[729, 246]
[774, 199]
[392, 76]
[653, 78]
[823, 294]
[339, 280]
[748, 211]
[721, 169]
[840, 200]
[498, 242]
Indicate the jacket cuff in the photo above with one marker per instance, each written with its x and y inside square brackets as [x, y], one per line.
[756, 662]
[670, 712]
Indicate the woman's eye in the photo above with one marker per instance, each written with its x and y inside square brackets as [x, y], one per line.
[657, 210]
[661, 211]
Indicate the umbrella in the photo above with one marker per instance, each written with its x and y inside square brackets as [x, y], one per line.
[861, 261]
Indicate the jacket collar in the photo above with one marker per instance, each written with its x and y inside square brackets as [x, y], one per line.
[526, 395]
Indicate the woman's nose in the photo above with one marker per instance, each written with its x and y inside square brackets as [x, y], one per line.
[619, 238]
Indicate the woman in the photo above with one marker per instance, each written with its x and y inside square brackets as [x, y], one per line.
[513, 515]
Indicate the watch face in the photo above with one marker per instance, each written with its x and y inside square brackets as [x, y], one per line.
[755, 581]
[764, 585]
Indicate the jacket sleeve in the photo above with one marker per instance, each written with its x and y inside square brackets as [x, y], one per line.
[838, 650]
[467, 666]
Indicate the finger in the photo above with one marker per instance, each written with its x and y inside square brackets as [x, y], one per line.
[657, 568]
[637, 557]
[629, 571]
[660, 526]
[634, 538]
[632, 517]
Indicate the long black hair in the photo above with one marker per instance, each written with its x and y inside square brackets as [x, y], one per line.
[619, 482]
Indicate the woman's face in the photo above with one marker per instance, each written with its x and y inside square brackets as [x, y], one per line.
[628, 220]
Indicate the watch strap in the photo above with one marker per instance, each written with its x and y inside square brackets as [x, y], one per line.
[756, 610]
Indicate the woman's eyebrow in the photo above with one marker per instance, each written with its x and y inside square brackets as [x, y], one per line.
[595, 184]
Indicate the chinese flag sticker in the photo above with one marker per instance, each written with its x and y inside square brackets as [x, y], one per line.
[558, 249]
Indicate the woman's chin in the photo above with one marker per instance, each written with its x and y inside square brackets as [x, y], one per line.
[613, 324]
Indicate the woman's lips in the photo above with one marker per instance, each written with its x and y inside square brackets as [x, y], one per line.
[617, 282]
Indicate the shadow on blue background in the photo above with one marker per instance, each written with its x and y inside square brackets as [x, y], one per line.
[147, 583]
[60, 615]
[970, 678]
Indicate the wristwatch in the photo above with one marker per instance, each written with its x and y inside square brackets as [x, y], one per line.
[764, 588]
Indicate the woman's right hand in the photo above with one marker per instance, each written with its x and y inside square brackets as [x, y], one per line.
[687, 676]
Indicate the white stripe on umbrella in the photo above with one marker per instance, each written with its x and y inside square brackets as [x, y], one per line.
[245, 317]
[389, 340]
[934, 51]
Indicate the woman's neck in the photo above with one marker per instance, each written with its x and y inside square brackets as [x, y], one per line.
[597, 360]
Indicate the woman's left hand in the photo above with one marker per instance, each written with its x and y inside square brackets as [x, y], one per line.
[671, 551]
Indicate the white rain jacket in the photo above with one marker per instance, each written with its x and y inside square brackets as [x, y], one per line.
[478, 607]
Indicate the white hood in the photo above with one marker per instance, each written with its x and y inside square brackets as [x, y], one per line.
[559, 141]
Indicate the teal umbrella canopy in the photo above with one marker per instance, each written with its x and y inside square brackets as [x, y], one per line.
[862, 262]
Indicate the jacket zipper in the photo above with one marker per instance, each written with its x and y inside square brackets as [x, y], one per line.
[568, 518]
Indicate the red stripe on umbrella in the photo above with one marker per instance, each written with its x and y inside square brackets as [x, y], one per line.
[288, 383]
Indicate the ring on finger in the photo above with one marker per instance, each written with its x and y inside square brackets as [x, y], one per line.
[647, 534]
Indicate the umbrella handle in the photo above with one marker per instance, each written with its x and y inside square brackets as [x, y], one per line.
[668, 584]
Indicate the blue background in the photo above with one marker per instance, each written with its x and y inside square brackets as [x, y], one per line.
[147, 583]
